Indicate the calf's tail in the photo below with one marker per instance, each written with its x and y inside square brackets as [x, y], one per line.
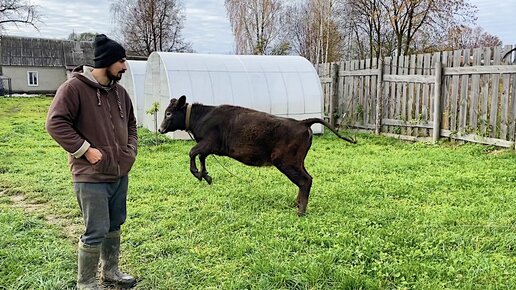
[509, 52]
[309, 122]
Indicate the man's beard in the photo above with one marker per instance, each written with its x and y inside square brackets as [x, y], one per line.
[113, 77]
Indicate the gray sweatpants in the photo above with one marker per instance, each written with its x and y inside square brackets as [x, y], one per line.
[103, 207]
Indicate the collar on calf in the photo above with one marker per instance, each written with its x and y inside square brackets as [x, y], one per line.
[188, 113]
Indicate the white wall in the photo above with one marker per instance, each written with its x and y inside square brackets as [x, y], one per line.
[133, 80]
[49, 78]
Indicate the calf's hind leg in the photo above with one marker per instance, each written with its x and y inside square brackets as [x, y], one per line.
[300, 177]
[304, 192]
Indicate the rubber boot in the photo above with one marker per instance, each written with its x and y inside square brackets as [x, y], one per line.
[88, 263]
[109, 255]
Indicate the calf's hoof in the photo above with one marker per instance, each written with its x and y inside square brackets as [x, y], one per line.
[207, 178]
[197, 175]
[301, 211]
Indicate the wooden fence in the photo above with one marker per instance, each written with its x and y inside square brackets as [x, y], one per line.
[465, 94]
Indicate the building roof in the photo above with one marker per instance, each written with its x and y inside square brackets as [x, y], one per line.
[26, 51]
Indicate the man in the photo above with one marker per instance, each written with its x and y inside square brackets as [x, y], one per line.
[92, 118]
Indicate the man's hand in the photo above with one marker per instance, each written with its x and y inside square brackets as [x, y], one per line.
[93, 155]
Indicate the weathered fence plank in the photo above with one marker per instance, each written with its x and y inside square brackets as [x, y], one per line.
[393, 92]
[409, 79]
[340, 101]
[399, 88]
[361, 91]
[349, 90]
[484, 126]
[418, 102]
[367, 96]
[437, 102]
[386, 93]
[512, 127]
[404, 96]
[491, 69]
[463, 96]
[334, 71]
[435, 58]
[372, 93]
[494, 95]
[410, 93]
[379, 99]
[504, 105]
[429, 63]
[475, 90]
[455, 92]
[447, 60]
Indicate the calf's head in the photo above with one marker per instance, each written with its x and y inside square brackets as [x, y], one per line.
[174, 116]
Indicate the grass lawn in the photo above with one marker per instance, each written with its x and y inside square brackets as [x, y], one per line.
[383, 214]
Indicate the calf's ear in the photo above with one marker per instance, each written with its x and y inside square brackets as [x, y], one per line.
[181, 102]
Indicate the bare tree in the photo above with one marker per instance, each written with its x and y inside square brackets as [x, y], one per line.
[408, 17]
[462, 37]
[368, 21]
[256, 25]
[396, 27]
[18, 12]
[84, 36]
[328, 30]
[313, 30]
[151, 25]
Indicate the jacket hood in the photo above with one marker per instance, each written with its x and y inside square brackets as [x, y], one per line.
[87, 77]
[84, 74]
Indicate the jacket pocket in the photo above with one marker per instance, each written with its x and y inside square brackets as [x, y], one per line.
[106, 165]
[79, 166]
[127, 158]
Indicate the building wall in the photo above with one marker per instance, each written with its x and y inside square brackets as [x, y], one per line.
[49, 78]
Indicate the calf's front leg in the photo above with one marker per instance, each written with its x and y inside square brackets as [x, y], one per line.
[204, 173]
[201, 149]
[193, 167]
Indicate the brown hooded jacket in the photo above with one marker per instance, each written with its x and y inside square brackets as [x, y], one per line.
[86, 114]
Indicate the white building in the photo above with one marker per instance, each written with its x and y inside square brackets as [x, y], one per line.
[281, 85]
[133, 80]
[38, 65]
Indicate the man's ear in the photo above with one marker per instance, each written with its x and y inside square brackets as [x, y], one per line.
[181, 102]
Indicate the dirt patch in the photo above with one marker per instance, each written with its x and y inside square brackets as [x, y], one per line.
[70, 230]
[498, 151]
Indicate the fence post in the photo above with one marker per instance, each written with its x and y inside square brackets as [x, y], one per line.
[379, 98]
[334, 96]
[437, 101]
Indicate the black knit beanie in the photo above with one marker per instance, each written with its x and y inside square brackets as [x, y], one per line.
[107, 51]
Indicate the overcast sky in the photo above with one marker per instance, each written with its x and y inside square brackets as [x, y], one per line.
[206, 24]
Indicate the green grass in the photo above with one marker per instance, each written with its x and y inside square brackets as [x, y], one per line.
[383, 214]
[32, 254]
